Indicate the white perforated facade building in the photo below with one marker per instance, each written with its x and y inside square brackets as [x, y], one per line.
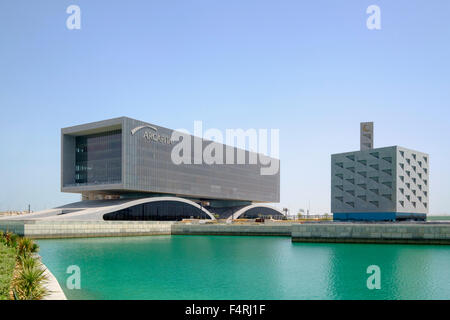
[389, 183]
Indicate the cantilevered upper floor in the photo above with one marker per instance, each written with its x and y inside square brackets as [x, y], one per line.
[126, 157]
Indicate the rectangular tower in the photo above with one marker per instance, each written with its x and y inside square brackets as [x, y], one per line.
[366, 136]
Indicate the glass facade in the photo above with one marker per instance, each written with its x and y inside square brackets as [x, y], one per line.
[98, 158]
[159, 211]
[262, 212]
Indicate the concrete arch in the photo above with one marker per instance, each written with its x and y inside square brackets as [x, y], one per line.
[157, 199]
[96, 209]
[240, 212]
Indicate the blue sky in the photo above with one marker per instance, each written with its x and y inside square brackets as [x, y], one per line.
[309, 68]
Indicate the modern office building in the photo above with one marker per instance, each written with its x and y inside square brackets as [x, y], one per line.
[382, 184]
[124, 170]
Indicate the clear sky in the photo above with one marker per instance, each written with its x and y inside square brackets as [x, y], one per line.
[309, 68]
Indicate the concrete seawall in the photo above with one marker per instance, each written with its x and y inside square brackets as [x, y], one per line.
[407, 233]
[84, 229]
[420, 233]
[233, 229]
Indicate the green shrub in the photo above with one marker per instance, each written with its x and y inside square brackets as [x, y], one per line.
[10, 239]
[30, 282]
[27, 261]
[25, 246]
[7, 237]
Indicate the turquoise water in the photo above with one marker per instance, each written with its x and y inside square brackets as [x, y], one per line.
[438, 218]
[222, 267]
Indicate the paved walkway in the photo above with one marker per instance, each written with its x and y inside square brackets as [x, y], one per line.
[56, 293]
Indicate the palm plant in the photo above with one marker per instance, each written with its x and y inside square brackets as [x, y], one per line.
[30, 282]
[26, 246]
[7, 237]
[10, 239]
[27, 262]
